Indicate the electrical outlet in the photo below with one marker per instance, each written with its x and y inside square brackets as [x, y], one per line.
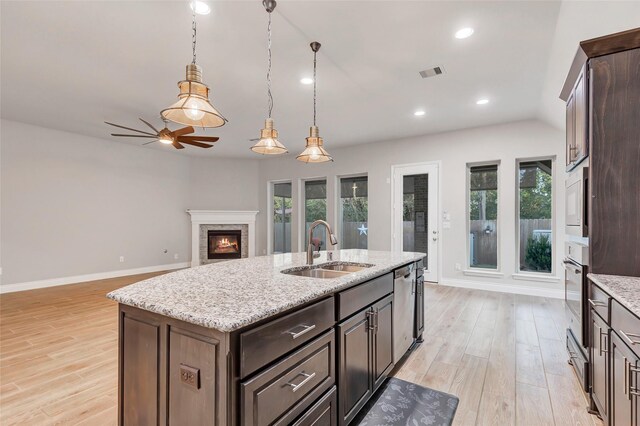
[458, 267]
[175, 256]
[121, 259]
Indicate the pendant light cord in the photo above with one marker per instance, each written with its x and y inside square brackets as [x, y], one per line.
[269, 95]
[193, 29]
[314, 89]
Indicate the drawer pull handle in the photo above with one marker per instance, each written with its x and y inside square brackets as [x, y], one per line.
[307, 378]
[626, 337]
[306, 329]
[597, 303]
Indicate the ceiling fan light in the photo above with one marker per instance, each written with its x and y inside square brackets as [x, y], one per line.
[268, 144]
[314, 151]
[193, 107]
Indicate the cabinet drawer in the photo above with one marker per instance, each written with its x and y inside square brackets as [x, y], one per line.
[626, 325]
[263, 345]
[599, 301]
[284, 391]
[352, 300]
[323, 413]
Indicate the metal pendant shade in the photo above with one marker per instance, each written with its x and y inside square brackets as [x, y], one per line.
[268, 143]
[193, 107]
[314, 151]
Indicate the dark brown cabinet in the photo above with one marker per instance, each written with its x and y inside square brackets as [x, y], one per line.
[599, 364]
[625, 367]
[365, 351]
[577, 146]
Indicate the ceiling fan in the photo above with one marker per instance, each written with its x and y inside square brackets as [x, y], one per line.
[176, 138]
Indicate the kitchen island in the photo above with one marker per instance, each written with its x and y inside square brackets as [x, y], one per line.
[256, 342]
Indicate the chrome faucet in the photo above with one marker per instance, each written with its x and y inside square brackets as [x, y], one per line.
[332, 239]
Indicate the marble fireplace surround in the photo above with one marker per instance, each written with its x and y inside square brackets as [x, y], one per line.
[204, 220]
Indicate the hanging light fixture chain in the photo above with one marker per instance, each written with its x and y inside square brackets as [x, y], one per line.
[269, 95]
[314, 88]
[193, 30]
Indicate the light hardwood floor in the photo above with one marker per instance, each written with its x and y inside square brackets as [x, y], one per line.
[502, 354]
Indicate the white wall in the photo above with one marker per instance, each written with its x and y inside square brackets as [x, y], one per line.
[72, 205]
[506, 142]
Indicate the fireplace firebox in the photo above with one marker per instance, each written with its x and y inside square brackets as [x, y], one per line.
[224, 244]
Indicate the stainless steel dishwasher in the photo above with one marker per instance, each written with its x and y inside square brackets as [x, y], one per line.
[403, 310]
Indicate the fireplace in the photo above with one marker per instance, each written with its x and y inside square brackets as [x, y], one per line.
[225, 244]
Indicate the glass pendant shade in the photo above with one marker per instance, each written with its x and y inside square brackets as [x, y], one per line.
[314, 152]
[268, 144]
[193, 107]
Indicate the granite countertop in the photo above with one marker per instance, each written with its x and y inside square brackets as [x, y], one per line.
[230, 295]
[625, 290]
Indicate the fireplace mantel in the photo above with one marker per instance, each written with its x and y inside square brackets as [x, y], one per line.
[221, 217]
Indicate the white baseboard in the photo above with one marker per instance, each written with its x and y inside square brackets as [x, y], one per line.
[504, 288]
[31, 285]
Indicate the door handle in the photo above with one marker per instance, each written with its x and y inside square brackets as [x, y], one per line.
[600, 350]
[306, 329]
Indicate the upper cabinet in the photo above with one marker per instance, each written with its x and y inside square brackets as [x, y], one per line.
[577, 148]
[602, 92]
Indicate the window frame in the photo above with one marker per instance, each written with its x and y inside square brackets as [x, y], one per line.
[473, 270]
[338, 204]
[519, 273]
[302, 207]
[270, 216]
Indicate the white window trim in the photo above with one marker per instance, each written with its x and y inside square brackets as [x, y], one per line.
[470, 270]
[270, 185]
[302, 208]
[531, 275]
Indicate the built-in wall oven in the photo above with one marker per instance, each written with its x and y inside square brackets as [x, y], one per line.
[575, 291]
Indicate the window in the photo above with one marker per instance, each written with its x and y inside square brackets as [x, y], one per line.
[535, 208]
[483, 216]
[415, 208]
[282, 217]
[315, 208]
[354, 212]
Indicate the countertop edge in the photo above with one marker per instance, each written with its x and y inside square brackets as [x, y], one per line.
[604, 281]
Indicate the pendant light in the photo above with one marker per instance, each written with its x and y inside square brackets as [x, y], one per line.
[193, 107]
[268, 144]
[314, 151]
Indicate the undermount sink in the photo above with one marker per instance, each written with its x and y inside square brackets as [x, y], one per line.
[327, 270]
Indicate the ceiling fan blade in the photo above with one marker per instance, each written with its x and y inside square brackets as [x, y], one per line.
[129, 128]
[198, 144]
[198, 138]
[183, 131]
[147, 143]
[177, 144]
[149, 124]
[134, 136]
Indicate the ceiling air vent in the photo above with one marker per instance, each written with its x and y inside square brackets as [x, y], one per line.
[432, 72]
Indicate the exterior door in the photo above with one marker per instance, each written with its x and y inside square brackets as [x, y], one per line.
[415, 213]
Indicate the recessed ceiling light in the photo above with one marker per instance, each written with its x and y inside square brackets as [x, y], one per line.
[482, 101]
[419, 113]
[306, 80]
[464, 33]
[200, 7]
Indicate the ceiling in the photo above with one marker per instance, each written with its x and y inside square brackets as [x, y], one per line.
[72, 65]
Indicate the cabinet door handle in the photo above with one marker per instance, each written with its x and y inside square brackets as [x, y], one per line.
[600, 350]
[370, 323]
[627, 385]
[307, 378]
[306, 329]
[626, 337]
[597, 303]
[375, 327]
